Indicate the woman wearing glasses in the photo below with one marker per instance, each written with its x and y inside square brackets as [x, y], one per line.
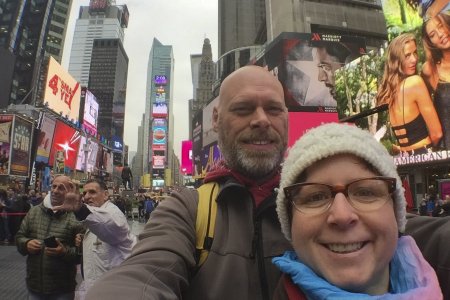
[342, 206]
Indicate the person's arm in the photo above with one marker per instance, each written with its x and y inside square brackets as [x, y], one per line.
[432, 236]
[415, 87]
[107, 223]
[22, 238]
[162, 260]
[429, 76]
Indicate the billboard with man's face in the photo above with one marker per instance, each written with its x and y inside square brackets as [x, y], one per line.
[306, 64]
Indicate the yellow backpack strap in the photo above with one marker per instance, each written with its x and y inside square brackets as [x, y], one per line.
[206, 219]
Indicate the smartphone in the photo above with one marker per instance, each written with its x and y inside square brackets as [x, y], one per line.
[50, 242]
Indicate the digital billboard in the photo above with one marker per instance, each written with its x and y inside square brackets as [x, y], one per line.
[66, 139]
[5, 142]
[306, 64]
[158, 161]
[159, 135]
[186, 157]
[160, 97]
[45, 138]
[81, 154]
[159, 110]
[117, 143]
[90, 115]
[405, 107]
[21, 147]
[300, 122]
[62, 92]
[209, 135]
[160, 80]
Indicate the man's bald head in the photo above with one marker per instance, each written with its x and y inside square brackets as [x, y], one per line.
[251, 121]
[247, 75]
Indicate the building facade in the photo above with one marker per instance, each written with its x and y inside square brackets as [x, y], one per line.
[342, 17]
[99, 20]
[30, 31]
[158, 120]
[108, 82]
[241, 23]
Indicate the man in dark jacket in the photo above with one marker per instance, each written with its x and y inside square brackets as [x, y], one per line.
[127, 177]
[251, 121]
[51, 270]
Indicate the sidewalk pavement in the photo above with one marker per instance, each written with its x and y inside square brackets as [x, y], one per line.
[13, 268]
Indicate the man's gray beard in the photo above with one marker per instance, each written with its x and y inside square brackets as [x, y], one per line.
[250, 163]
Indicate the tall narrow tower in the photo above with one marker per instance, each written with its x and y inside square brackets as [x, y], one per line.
[159, 119]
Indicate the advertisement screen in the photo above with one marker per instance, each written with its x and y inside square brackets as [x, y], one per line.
[306, 65]
[159, 110]
[301, 122]
[209, 135]
[186, 157]
[159, 135]
[160, 97]
[197, 142]
[90, 115]
[62, 92]
[403, 104]
[45, 139]
[66, 139]
[158, 162]
[21, 147]
[81, 154]
[5, 142]
[117, 143]
[160, 80]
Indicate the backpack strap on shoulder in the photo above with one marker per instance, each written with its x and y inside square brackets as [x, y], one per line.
[206, 220]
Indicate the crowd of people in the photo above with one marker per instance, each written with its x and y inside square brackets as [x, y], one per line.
[14, 204]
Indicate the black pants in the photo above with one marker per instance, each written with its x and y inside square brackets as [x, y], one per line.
[128, 186]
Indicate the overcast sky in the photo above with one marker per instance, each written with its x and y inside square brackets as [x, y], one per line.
[181, 23]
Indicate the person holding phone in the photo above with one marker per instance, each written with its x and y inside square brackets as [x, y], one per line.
[108, 239]
[47, 238]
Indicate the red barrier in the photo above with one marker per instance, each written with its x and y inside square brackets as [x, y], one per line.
[12, 214]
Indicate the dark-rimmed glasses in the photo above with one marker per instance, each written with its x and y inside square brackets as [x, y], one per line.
[365, 194]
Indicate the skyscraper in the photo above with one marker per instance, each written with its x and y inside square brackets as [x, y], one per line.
[102, 19]
[30, 31]
[159, 120]
[360, 18]
[108, 82]
[241, 23]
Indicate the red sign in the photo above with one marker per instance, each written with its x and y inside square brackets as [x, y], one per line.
[67, 139]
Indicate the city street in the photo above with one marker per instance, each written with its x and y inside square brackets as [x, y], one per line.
[13, 268]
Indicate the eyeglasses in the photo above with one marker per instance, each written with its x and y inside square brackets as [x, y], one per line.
[366, 194]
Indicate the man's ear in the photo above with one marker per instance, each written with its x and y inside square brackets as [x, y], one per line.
[215, 119]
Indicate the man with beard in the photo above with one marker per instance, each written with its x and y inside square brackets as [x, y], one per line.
[251, 119]
[51, 269]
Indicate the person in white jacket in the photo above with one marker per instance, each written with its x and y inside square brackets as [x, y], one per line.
[108, 239]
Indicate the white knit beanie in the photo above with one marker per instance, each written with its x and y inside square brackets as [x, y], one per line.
[328, 140]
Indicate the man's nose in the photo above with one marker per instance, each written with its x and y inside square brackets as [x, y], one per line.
[322, 75]
[260, 118]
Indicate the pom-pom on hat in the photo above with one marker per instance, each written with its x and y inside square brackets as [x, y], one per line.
[328, 140]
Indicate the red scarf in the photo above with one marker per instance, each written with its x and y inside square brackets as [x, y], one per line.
[259, 191]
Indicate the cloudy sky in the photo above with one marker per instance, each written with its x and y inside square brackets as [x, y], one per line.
[180, 23]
